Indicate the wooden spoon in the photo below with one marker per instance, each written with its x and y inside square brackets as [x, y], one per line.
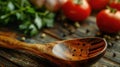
[67, 53]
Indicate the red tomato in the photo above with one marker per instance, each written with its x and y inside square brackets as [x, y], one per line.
[108, 21]
[115, 4]
[76, 12]
[98, 4]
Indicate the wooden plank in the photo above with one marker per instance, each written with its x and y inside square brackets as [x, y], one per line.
[105, 63]
[6, 63]
[61, 31]
[23, 59]
[110, 55]
[18, 58]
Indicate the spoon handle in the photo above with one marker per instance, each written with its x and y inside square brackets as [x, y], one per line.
[12, 43]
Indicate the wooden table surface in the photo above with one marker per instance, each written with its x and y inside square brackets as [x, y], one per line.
[61, 31]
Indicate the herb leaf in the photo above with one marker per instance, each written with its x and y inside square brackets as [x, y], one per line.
[27, 18]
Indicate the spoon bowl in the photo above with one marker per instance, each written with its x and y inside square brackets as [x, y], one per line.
[67, 53]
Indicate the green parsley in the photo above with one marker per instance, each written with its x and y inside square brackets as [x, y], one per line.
[24, 16]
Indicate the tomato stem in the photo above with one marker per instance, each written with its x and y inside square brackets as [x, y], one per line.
[114, 1]
[112, 10]
[77, 1]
